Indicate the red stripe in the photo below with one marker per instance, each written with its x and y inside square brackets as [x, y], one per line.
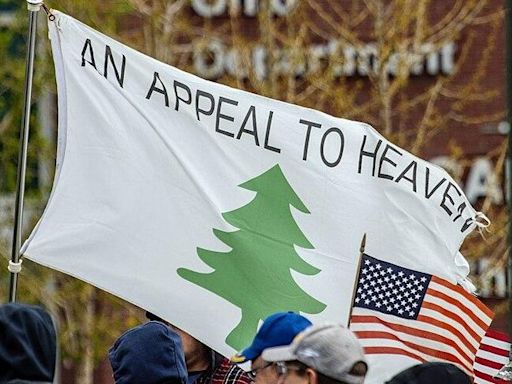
[415, 332]
[487, 377]
[491, 333]
[391, 351]
[441, 355]
[452, 316]
[466, 294]
[489, 363]
[459, 305]
[441, 324]
[495, 350]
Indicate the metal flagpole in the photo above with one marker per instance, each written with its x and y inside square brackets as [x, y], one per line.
[354, 291]
[505, 372]
[15, 264]
[508, 40]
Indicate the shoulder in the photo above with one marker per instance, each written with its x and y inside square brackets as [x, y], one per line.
[227, 372]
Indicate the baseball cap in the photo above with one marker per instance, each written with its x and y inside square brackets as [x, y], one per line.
[329, 349]
[278, 329]
[432, 372]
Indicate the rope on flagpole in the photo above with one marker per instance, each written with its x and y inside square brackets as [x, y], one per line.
[14, 267]
[505, 373]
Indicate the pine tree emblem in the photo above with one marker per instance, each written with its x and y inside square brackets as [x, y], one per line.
[255, 275]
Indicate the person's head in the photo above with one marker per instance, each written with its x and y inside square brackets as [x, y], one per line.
[197, 355]
[321, 354]
[433, 372]
[278, 329]
[28, 343]
[150, 353]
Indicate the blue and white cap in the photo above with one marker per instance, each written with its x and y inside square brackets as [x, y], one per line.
[330, 349]
[277, 329]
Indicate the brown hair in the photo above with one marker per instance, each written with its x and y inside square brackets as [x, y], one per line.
[358, 369]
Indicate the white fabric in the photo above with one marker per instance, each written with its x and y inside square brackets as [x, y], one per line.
[140, 186]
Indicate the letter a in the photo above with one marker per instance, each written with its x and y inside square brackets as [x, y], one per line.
[88, 47]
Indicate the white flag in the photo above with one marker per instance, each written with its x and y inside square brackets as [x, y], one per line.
[214, 207]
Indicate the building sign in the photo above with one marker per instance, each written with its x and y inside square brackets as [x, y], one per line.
[491, 280]
[481, 181]
[217, 59]
[249, 8]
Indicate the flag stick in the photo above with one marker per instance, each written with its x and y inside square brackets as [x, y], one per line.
[505, 373]
[14, 266]
[354, 291]
[508, 22]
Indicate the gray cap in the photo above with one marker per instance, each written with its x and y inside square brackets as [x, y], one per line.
[330, 349]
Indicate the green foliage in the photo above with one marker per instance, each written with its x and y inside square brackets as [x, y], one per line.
[89, 319]
[12, 75]
[8, 5]
[104, 16]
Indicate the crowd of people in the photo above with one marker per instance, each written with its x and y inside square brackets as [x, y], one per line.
[287, 349]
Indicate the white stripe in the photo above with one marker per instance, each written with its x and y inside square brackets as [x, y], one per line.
[383, 343]
[420, 324]
[495, 343]
[492, 357]
[425, 341]
[445, 319]
[485, 369]
[422, 341]
[460, 298]
[456, 311]
[482, 381]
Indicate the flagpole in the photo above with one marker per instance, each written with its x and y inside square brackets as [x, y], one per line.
[505, 373]
[508, 21]
[354, 290]
[15, 265]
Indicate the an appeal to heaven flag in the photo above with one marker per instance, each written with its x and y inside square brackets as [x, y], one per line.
[404, 317]
[214, 207]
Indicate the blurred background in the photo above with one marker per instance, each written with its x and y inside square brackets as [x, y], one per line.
[430, 75]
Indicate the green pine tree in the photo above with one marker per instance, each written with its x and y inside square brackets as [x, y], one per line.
[256, 274]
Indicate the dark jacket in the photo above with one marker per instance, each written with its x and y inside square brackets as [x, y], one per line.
[432, 372]
[148, 354]
[28, 345]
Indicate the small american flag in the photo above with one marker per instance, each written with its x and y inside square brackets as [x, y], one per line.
[491, 356]
[398, 311]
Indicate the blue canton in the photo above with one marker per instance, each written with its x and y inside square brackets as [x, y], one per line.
[390, 289]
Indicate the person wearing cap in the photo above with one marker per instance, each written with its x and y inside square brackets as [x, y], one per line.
[432, 372]
[321, 354]
[28, 344]
[204, 365]
[278, 329]
[151, 354]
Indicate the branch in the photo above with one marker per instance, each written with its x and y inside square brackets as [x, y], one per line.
[420, 135]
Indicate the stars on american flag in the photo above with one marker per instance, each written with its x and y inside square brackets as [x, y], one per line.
[404, 312]
[390, 289]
